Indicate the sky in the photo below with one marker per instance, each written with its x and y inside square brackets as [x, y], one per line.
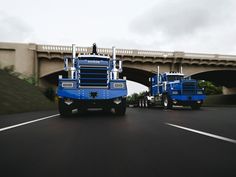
[205, 26]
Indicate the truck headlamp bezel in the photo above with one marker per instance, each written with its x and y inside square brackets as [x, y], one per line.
[118, 85]
[175, 92]
[67, 84]
[199, 92]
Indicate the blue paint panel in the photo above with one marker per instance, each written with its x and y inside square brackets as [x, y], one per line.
[154, 90]
[85, 94]
[187, 97]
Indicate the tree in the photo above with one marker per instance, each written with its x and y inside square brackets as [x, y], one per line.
[210, 88]
[134, 98]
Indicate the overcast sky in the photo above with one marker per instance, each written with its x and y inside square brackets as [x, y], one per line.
[171, 25]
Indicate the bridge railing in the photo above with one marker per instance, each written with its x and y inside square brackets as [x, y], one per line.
[133, 52]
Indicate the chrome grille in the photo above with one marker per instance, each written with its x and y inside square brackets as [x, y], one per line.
[93, 76]
[189, 88]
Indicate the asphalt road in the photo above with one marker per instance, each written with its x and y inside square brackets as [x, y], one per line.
[146, 142]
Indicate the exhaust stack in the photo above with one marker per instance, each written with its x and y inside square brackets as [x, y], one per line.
[66, 64]
[114, 70]
[73, 51]
[73, 69]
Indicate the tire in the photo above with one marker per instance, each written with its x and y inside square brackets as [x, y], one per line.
[121, 108]
[146, 103]
[106, 110]
[140, 103]
[64, 109]
[195, 106]
[166, 102]
[82, 110]
[143, 104]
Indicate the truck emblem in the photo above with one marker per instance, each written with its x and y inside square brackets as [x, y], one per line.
[93, 94]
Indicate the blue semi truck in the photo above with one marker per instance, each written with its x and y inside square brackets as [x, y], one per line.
[173, 88]
[93, 82]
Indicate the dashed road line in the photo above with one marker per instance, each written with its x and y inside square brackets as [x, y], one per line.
[29, 122]
[204, 133]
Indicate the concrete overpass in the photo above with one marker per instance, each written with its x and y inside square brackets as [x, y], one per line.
[45, 62]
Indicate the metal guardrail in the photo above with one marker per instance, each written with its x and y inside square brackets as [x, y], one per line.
[130, 52]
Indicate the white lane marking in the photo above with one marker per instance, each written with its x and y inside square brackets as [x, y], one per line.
[204, 133]
[29, 122]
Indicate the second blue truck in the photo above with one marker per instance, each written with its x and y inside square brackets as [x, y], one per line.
[173, 88]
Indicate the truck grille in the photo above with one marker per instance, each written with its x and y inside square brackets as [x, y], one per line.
[189, 88]
[93, 76]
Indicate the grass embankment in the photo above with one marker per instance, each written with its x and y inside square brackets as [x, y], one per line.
[17, 95]
[220, 100]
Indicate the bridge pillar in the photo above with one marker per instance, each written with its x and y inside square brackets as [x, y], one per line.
[229, 91]
[177, 61]
[172, 65]
[36, 68]
[176, 67]
[20, 56]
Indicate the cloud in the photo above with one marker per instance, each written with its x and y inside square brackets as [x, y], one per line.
[202, 26]
[14, 29]
[181, 17]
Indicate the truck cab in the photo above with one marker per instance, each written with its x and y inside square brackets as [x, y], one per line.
[93, 82]
[173, 88]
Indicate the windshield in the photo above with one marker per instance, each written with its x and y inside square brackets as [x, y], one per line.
[174, 77]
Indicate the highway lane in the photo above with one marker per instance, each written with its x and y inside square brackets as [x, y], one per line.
[139, 144]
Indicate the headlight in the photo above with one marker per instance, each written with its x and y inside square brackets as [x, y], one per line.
[67, 84]
[119, 85]
[175, 92]
[199, 92]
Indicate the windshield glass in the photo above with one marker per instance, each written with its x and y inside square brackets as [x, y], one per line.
[174, 77]
[94, 58]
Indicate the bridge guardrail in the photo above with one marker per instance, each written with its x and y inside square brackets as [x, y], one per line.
[134, 52]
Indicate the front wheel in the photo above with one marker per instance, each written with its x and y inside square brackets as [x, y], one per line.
[146, 103]
[141, 103]
[120, 109]
[195, 106]
[106, 110]
[64, 109]
[166, 102]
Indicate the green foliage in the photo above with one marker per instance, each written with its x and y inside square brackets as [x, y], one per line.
[50, 93]
[19, 96]
[142, 94]
[134, 98]
[210, 88]
[10, 70]
[31, 80]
